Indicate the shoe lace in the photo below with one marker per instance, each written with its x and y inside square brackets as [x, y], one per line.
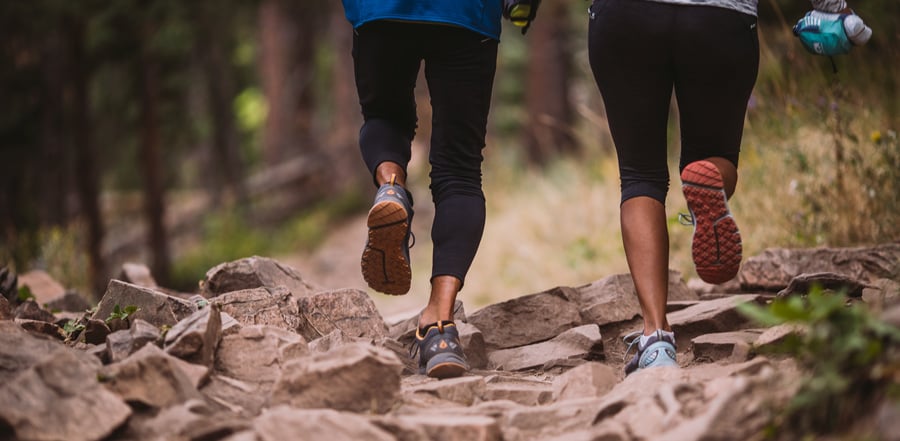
[685, 219]
[632, 339]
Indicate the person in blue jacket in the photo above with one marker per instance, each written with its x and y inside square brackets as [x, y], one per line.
[457, 41]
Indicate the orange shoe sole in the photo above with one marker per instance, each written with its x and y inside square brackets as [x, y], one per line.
[716, 247]
[384, 264]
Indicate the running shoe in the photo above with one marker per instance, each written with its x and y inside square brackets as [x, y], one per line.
[385, 260]
[440, 352]
[716, 247]
[658, 351]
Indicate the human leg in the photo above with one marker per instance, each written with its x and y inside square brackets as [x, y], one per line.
[717, 60]
[459, 68]
[386, 63]
[634, 77]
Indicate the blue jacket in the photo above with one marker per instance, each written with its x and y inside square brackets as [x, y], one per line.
[482, 16]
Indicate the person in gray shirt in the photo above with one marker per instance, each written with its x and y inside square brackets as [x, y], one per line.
[707, 51]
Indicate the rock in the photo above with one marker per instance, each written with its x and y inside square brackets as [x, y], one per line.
[462, 390]
[168, 423]
[522, 391]
[723, 345]
[350, 310]
[20, 350]
[150, 377]
[137, 274]
[333, 380]
[247, 364]
[99, 351]
[5, 311]
[195, 338]
[700, 287]
[42, 285]
[583, 342]
[882, 294]
[589, 380]
[709, 317]
[284, 423]
[544, 422]
[678, 305]
[95, 332]
[253, 272]
[121, 344]
[472, 341]
[774, 268]
[527, 319]
[261, 306]
[613, 299]
[410, 364]
[40, 327]
[443, 427]
[29, 310]
[154, 307]
[71, 301]
[804, 283]
[776, 335]
[59, 398]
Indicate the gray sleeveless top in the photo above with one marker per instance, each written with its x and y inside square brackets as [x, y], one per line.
[749, 6]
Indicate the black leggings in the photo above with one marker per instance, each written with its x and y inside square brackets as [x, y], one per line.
[459, 69]
[639, 51]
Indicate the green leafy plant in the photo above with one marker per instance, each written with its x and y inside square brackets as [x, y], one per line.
[122, 313]
[71, 328]
[25, 294]
[852, 357]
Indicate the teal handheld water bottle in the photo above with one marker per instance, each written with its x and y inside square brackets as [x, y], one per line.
[829, 34]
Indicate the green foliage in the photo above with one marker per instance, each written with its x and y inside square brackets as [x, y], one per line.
[122, 313]
[852, 357]
[72, 328]
[25, 294]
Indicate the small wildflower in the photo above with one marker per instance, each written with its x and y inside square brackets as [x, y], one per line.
[875, 136]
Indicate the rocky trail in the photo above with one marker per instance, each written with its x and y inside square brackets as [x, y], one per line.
[260, 354]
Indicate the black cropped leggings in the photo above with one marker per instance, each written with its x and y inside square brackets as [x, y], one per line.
[459, 69]
[639, 52]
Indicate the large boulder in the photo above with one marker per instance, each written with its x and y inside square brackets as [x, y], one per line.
[774, 268]
[333, 380]
[44, 288]
[152, 378]
[153, 306]
[19, 350]
[261, 306]
[253, 272]
[581, 343]
[247, 364]
[58, 398]
[613, 299]
[195, 338]
[527, 319]
[351, 311]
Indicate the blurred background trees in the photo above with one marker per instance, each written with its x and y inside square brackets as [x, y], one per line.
[183, 134]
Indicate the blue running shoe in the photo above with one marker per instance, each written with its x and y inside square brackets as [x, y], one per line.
[440, 353]
[658, 351]
[385, 260]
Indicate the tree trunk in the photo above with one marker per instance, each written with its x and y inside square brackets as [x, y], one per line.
[549, 128]
[87, 172]
[346, 117]
[151, 156]
[53, 176]
[287, 40]
[212, 45]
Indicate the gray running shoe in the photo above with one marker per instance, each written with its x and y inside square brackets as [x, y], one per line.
[440, 353]
[659, 351]
[385, 260]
